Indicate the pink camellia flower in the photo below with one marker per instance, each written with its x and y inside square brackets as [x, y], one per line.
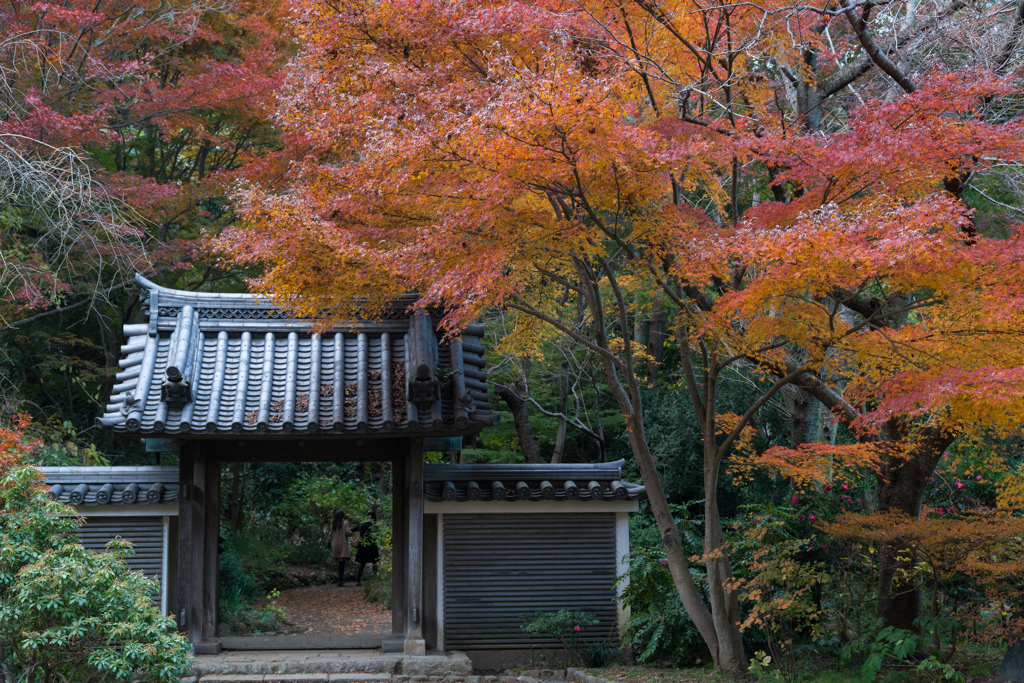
[845, 487]
[795, 500]
[978, 477]
[811, 518]
[959, 485]
[942, 511]
[663, 563]
[800, 517]
[827, 488]
[946, 454]
[576, 629]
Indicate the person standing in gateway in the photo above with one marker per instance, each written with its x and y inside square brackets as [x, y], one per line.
[367, 551]
[340, 532]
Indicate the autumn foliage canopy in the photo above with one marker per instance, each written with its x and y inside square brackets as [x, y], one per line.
[793, 181]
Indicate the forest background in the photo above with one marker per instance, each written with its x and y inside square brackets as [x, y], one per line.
[768, 252]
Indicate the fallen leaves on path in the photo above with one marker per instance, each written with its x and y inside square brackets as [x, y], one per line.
[333, 611]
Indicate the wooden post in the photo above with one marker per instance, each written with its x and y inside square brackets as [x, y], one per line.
[186, 462]
[414, 642]
[196, 567]
[211, 534]
[399, 541]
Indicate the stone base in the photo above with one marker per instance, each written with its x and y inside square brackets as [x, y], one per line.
[415, 647]
[268, 665]
[207, 647]
[393, 645]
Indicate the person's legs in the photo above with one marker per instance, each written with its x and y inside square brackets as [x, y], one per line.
[359, 572]
[341, 572]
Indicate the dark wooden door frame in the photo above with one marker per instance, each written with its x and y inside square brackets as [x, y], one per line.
[199, 526]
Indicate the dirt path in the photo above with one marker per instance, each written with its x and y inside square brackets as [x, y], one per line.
[333, 611]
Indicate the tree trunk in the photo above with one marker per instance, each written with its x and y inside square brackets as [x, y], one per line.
[901, 486]
[521, 420]
[718, 626]
[655, 340]
[804, 417]
[725, 607]
[901, 483]
[235, 494]
[563, 405]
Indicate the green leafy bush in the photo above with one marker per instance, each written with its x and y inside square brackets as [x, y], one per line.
[69, 614]
[659, 630]
[569, 627]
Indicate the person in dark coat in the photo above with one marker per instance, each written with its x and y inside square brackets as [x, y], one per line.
[367, 552]
[338, 543]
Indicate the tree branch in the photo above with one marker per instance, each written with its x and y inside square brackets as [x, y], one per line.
[57, 311]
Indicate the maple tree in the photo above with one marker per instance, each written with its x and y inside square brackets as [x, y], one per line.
[935, 548]
[122, 125]
[710, 157]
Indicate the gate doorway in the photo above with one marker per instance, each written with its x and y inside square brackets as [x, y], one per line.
[278, 577]
[200, 546]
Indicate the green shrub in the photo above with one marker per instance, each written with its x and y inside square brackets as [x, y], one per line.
[69, 614]
[659, 631]
[569, 627]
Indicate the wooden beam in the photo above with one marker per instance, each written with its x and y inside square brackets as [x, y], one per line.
[414, 642]
[211, 533]
[304, 450]
[186, 460]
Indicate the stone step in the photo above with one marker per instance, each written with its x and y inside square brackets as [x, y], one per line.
[322, 666]
[553, 677]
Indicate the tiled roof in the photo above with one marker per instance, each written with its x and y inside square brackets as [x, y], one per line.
[232, 363]
[112, 485]
[529, 482]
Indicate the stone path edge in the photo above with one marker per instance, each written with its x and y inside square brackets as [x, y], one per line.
[530, 676]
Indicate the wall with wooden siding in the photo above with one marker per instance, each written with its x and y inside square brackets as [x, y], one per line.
[498, 567]
[145, 533]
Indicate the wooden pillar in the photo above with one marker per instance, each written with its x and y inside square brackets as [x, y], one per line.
[414, 643]
[399, 541]
[211, 534]
[186, 461]
[192, 473]
[197, 565]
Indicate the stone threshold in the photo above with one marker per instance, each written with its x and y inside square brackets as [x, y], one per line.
[570, 675]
